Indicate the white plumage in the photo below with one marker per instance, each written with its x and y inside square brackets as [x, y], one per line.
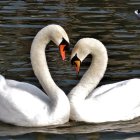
[137, 12]
[111, 102]
[24, 104]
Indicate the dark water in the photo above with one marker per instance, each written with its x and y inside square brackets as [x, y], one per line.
[112, 22]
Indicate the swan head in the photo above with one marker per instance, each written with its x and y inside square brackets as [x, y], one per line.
[79, 53]
[137, 12]
[83, 48]
[58, 35]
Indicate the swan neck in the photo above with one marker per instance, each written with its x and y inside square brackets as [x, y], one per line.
[39, 63]
[93, 75]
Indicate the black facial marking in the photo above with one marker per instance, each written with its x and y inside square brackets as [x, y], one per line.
[75, 58]
[138, 11]
[64, 42]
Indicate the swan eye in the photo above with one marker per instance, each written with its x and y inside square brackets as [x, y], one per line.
[75, 58]
[65, 44]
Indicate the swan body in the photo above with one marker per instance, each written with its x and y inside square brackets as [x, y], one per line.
[24, 104]
[137, 12]
[112, 102]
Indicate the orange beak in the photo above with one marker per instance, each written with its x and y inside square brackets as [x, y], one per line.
[62, 51]
[77, 66]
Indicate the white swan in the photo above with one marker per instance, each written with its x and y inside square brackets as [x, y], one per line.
[111, 102]
[137, 12]
[24, 104]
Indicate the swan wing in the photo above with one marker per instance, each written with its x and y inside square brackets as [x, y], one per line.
[27, 87]
[106, 88]
[119, 101]
[24, 103]
[119, 94]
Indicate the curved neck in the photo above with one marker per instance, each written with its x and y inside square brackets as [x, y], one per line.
[93, 75]
[39, 64]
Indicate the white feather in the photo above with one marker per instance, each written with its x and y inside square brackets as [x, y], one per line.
[24, 104]
[111, 102]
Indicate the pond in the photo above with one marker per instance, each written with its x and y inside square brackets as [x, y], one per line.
[112, 22]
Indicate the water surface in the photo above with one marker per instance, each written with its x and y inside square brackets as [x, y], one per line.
[112, 22]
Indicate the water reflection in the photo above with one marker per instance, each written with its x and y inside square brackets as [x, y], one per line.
[112, 22]
[93, 136]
